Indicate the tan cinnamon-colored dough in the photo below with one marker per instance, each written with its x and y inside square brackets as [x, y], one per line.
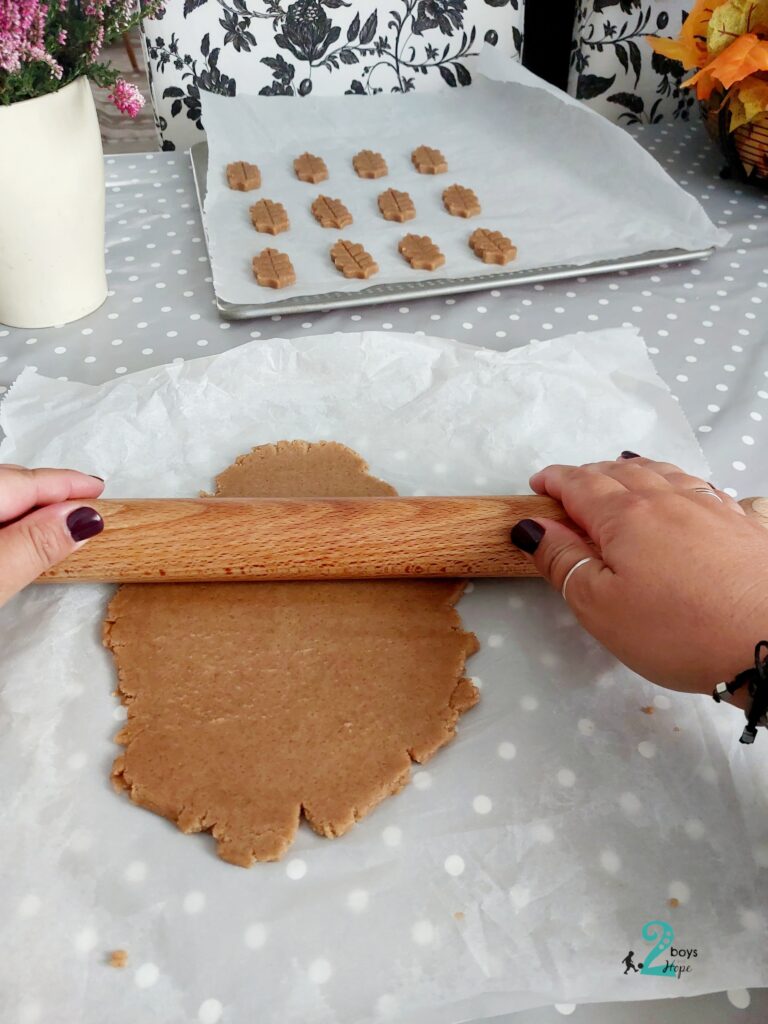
[250, 704]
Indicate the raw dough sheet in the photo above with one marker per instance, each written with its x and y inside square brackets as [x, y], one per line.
[519, 867]
[252, 706]
[526, 150]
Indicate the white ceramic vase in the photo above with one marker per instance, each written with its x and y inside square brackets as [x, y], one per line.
[51, 209]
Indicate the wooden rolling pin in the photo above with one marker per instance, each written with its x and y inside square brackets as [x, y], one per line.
[210, 539]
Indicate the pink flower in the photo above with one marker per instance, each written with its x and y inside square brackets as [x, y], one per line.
[22, 35]
[61, 38]
[126, 97]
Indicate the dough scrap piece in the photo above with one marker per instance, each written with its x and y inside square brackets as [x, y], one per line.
[118, 958]
[242, 176]
[397, 206]
[368, 164]
[429, 161]
[269, 217]
[273, 269]
[252, 704]
[421, 252]
[460, 201]
[311, 168]
[492, 246]
[352, 260]
[331, 213]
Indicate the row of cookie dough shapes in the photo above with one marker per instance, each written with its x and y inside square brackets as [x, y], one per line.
[273, 269]
[243, 176]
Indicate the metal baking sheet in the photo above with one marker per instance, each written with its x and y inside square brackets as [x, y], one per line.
[380, 293]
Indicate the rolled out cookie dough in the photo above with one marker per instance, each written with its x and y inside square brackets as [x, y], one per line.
[250, 704]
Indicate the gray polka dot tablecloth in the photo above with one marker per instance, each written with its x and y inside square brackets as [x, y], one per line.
[705, 323]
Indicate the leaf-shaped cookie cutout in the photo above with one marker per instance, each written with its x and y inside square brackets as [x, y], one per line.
[429, 161]
[352, 260]
[492, 246]
[397, 206]
[243, 176]
[309, 167]
[331, 213]
[273, 269]
[421, 252]
[460, 201]
[269, 217]
[368, 164]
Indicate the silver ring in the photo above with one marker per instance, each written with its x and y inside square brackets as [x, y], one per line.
[572, 570]
[709, 491]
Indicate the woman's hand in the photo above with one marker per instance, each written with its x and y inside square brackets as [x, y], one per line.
[677, 582]
[42, 520]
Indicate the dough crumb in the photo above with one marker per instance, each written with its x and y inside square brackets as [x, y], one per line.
[648, 710]
[459, 915]
[673, 902]
[118, 958]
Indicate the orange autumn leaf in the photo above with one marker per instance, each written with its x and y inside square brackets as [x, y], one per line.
[690, 48]
[690, 56]
[743, 57]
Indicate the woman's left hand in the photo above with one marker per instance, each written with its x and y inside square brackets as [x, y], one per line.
[42, 520]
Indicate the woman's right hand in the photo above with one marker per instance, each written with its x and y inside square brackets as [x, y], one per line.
[677, 582]
[42, 520]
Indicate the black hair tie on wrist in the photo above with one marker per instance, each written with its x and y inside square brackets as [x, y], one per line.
[756, 680]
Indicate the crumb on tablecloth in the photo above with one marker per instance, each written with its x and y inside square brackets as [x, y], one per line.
[118, 958]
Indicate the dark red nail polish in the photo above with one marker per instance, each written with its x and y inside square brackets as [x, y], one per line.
[527, 535]
[629, 455]
[84, 523]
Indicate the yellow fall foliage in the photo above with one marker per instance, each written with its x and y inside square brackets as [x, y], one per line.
[750, 102]
[735, 18]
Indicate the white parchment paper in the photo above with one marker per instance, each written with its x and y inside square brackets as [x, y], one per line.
[522, 863]
[564, 184]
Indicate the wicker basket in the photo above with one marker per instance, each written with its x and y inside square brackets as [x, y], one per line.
[746, 149]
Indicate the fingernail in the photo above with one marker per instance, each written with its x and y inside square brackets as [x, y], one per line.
[84, 523]
[527, 535]
[629, 455]
[101, 478]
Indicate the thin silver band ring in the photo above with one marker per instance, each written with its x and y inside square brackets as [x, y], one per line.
[709, 491]
[571, 571]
